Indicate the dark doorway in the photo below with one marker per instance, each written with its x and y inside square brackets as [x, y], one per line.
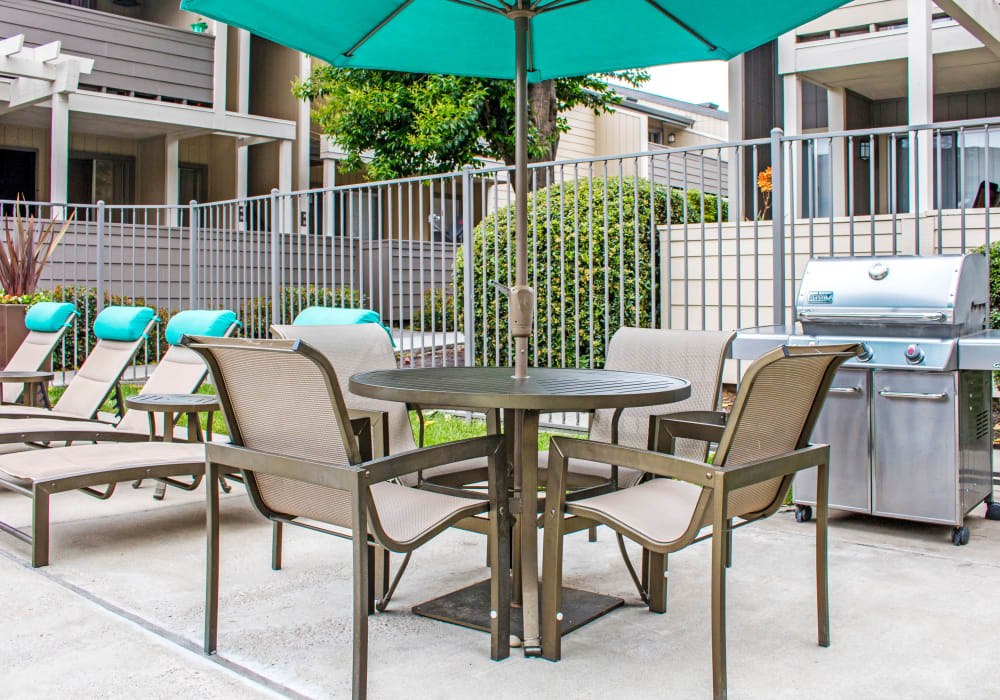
[17, 176]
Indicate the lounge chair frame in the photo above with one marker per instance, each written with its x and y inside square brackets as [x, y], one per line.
[717, 483]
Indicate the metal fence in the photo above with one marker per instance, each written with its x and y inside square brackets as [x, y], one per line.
[697, 237]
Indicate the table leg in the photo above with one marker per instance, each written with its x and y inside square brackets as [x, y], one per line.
[526, 464]
[29, 394]
[168, 436]
[44, 388]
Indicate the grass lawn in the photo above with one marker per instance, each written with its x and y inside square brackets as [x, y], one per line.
[438, 427]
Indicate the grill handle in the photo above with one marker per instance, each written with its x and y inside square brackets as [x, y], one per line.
[911, 395]
[880, 316]
[845, 390]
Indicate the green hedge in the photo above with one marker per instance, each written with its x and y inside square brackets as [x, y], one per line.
[565, 231]
[439, 311]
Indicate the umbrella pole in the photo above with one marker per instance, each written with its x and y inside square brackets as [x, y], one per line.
[522, 297]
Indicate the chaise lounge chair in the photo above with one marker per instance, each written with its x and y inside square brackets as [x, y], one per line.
[40, 473]
[47, 323]
[303, 464]
[120, 331]
[761, 445]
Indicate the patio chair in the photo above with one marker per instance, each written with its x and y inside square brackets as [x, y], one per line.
[359, 348]
[120, 331]
[47, 323]
[761, 445]
[303, 464]
[38, 474]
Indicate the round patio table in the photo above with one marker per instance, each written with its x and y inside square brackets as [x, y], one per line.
[35, 384]
[544, 390]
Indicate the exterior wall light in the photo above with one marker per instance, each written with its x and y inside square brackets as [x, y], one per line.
[865, 149]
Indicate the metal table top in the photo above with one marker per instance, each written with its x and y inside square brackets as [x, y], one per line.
[543, 390]
[174, 403]
[19, 377]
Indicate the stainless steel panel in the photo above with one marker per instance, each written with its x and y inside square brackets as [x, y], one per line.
[916, 451]
[980, 351]
[843, 424]
[751, 343]
[975, 438]
[936, 296]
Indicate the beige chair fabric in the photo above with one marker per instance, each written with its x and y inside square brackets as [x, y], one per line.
[29, 357]
[693, 355]
[180, 371]
[91, 384]
[25, 468]
[365, 347]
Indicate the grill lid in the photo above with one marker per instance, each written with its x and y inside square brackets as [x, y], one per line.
[936, 296]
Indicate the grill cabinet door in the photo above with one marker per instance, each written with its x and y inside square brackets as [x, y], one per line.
[916, 471]
[844, 425]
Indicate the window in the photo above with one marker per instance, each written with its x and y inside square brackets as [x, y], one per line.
[816, 199]
[101, 177]
[17, 177]
[655, 136]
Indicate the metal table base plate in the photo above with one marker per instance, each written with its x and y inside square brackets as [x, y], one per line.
[470, 607]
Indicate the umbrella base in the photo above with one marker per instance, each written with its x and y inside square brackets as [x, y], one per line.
[470, 607]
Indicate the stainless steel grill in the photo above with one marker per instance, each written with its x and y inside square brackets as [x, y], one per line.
[909, 420]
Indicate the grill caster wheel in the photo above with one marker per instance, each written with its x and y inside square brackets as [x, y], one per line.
[803, 514]
[960, 536]
[993, 511]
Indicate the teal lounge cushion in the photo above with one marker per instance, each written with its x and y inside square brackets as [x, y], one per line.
[125, 323]
[199, 322]
[332, 316]
[49, 316]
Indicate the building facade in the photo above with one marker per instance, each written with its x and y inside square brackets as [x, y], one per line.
[872, 64]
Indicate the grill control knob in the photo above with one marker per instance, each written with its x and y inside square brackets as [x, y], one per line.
[914, 355]
[866, 353]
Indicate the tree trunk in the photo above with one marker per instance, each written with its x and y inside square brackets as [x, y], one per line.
[543, 112]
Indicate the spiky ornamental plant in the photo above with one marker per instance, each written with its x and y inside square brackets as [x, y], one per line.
[25, 249]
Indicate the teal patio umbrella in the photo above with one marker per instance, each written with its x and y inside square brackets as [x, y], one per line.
[523, 40]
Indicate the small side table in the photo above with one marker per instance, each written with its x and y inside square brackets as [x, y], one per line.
[172, 406]
[34, 383]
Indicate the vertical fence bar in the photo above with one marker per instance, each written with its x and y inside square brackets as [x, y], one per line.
[468, 281]
[778, 227]
[275, 259]
[100, 256]
[192, 253]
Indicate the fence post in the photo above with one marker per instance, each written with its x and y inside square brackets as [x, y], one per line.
[778, 225]
[275, 252]
[193, 253]
[100, 256]
[467, 279]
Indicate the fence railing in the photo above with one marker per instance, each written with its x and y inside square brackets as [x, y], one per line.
[697, 237]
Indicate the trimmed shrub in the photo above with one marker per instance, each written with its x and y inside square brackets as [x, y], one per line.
[256, 314]
[591, 280]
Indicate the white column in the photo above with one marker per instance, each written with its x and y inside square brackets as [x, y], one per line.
[792, 88]
[736, 179]
[59, 152]
[303, 119]
[220, 59]
[329, 182]
[920, 98]
[836, 118]
[285, 182]
[171, 174]
[243, 107]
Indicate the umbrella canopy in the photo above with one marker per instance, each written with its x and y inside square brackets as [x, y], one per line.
[520, 39]
[476, 37]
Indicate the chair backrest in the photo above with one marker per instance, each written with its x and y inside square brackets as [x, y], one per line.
[117, 344]
[775, 410]
[180, 370]
[283, 397]
[697, 356]
[47, 323]
[352, 349]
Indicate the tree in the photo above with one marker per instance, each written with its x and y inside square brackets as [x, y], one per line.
[418, 124]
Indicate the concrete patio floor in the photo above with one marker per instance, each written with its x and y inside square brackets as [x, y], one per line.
[119, 613]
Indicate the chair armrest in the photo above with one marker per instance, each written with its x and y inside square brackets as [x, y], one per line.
[372, 430]
[656, 463]
[740, 475]
[665, 428]
[347, 477]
